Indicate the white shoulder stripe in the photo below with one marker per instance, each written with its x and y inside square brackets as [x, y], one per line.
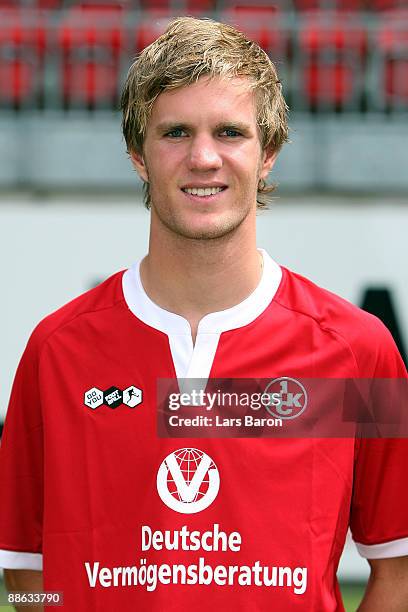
[9, 559]
[395, 548]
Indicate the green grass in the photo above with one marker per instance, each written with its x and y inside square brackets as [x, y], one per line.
[352, 594]
[3, 595]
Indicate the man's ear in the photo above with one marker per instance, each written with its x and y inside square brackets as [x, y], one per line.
[269, 157]
[139, 165]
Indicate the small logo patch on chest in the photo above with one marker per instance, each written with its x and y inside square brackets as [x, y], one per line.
[113, 397]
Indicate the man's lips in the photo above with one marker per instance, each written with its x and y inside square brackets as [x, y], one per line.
[204, 197]
[203, 185]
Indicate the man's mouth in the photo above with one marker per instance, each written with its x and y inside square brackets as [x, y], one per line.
[203, 191]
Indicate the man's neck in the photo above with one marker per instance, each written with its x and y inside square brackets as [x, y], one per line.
[195, 278]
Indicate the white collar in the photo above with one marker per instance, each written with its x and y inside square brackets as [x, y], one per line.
[215, 322]
[195, 361]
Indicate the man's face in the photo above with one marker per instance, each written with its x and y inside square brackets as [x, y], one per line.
[203, 136]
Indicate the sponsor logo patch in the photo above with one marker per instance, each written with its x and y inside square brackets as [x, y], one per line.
[113, 397]
[188, 481]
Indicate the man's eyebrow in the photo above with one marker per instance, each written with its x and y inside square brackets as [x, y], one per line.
[167, 126]
[236, 125]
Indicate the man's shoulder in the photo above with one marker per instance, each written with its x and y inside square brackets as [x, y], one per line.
[98, 299]
[304, 296]
[333, 314]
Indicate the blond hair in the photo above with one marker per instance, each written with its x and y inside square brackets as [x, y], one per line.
[191, 48]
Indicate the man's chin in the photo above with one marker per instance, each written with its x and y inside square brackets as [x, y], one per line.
[206, 232]
[203, 229]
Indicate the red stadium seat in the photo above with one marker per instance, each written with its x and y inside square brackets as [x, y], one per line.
[260, 23]
[157, 15]
[155, 5]
[392, 49]
[49, 5]
[307, 5]
[349, 5]
[334, 5]
[151, 25]
[102, 5]
[9, 4]
[385, 5]
[22, 52]
[332, 48]
[197, 7]
[182, 7]
[185, 7]
[91, 39]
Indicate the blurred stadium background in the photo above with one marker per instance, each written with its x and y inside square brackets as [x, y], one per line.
[70, 206]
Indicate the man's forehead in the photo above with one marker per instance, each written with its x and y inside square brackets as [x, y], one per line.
[208, 86]
[218, 100]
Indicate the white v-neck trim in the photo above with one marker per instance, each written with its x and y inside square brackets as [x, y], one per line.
[195, 361]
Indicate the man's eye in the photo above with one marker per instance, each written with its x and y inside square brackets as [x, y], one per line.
[231, 133]
[176, 133]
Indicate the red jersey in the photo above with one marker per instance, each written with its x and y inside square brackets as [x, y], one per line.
[121, 519]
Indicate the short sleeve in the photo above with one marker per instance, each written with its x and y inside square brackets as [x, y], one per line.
[379, 510]
[21, 469]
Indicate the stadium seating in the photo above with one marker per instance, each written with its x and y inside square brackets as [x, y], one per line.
[196, 7]
[77, 57]
[348, 5]
[392, 57]
[261, 23]
[331, 54]
[91, 39]
[151, 25]
[22, 53]
[337, 5]
[49, 5]
[181, 8]
[32, 5]
[385, 5]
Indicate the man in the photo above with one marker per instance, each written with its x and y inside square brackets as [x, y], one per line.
[119, 518]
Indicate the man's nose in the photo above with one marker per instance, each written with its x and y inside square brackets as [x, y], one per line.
[203, 154]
